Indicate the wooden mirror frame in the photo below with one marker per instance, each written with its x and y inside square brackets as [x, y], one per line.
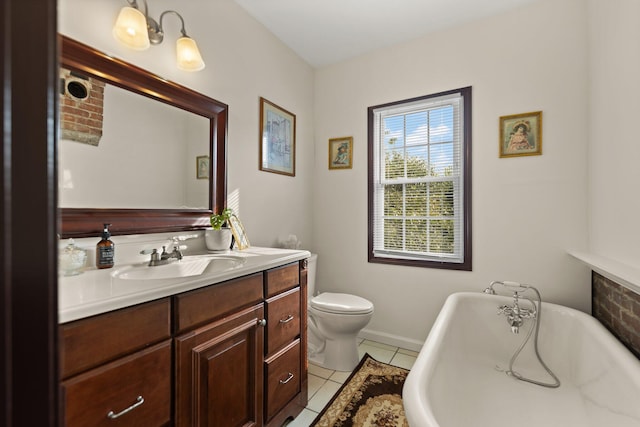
[86, 222]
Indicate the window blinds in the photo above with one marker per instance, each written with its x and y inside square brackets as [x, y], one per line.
[418, 176]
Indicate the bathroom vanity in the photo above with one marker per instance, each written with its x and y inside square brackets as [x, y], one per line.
[209, 340]
[221, 348]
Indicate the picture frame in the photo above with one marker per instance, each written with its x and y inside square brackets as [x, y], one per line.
[521, 134]
[341, 153]
[240, 236]
[202, 167]
[277, 139]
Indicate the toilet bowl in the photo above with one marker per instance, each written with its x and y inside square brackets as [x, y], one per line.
[335, 320]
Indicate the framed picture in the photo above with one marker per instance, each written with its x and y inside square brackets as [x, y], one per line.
[277, 139]
[202, 167]
[521, 135]
[242, 241]
[341, 153]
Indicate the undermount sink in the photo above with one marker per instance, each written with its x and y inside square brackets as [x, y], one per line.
[189, 266]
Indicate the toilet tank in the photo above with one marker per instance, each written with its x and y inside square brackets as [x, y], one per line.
[311, 275]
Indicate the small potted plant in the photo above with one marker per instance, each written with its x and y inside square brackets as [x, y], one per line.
[218, 237]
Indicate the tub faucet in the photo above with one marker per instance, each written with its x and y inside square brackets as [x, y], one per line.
[516, 314]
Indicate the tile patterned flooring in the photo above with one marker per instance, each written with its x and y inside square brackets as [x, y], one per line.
[324, 383]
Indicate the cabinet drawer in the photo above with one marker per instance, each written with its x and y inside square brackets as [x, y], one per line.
[204, 305]
[283, 378]
[88, 398]
[281, 279]
[87, 343]
[283, 319]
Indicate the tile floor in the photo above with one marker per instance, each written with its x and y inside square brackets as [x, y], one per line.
[324, 383]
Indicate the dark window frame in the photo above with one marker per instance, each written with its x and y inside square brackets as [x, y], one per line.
[466, 265]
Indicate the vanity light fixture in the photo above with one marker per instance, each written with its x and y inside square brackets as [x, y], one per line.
[138, 30]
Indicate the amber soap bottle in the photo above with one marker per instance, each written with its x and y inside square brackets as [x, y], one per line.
[105, 249]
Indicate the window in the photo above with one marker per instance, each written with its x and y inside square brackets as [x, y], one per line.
[420, 181]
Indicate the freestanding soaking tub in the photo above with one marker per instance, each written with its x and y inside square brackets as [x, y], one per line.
[459, 377]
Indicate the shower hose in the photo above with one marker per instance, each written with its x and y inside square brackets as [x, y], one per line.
[516, 375]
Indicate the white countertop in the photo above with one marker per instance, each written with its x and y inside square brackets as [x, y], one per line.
[623, 274]
[100, 291]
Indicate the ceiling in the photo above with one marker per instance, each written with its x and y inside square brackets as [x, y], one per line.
[329, 31]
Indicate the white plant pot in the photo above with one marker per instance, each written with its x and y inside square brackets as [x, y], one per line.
[218, 240]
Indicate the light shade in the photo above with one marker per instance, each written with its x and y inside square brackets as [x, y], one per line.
[131, 29]
[189, 58]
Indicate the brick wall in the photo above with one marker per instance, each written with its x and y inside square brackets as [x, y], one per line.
[618, 309]
[81, 117]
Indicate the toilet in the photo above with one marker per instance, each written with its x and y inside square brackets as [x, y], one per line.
[335, 320]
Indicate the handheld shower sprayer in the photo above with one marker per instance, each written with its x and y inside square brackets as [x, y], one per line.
[515, 317]
[507, 284]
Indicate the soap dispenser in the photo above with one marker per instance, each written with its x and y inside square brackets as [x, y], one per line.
[105, 249]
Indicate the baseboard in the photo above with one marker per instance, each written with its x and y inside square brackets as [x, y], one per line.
[394, 340]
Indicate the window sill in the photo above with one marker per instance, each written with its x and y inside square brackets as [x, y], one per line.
[623, 274]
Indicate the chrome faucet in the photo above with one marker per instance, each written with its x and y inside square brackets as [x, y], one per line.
[164, 257]
[176, 253]
[516, 314]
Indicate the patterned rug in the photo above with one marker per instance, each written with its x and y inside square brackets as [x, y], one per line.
[372, 396]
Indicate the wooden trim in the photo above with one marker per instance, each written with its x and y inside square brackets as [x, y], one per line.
[28, 252]
[88, 222]
[467, 235]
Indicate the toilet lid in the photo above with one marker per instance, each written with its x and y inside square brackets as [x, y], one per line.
[341, 303]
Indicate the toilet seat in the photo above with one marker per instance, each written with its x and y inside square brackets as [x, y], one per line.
[338, 303]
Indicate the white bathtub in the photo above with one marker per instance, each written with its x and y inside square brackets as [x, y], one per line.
[454, 381]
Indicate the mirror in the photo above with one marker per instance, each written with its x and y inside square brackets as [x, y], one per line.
[140, 176]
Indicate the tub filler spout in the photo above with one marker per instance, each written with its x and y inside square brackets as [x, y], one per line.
[516, 314]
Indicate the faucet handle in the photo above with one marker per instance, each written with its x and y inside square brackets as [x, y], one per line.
[155, 256]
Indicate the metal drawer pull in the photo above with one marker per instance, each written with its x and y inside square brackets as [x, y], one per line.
[262, 322]
[289, 378]
[139, 401]
[287, 320]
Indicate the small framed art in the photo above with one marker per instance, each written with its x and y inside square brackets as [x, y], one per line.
[240, 236]
[202, 167]
[341, 153]
[277, 139]
[521, 135]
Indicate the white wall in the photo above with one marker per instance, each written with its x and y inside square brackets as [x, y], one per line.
[614, 172]
[243, 62]
[558, 56]
[527, 211]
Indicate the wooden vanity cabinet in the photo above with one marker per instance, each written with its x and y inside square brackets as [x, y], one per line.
[239, 353]
[229, 354]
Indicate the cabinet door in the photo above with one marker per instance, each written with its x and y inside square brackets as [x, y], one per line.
[219, 376]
